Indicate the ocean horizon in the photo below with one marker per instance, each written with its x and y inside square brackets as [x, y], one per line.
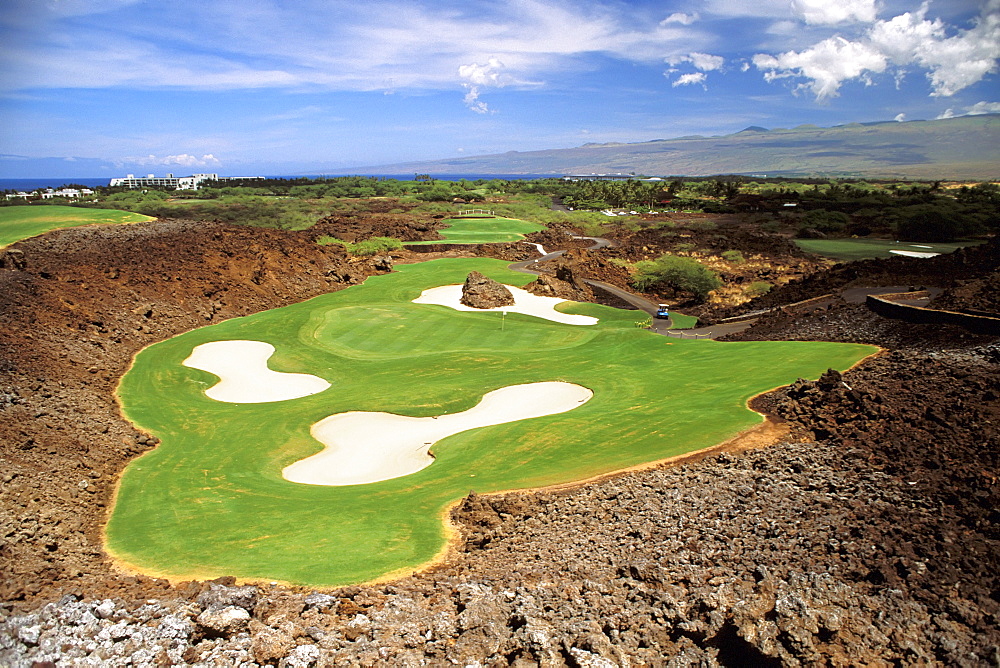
[28, 185]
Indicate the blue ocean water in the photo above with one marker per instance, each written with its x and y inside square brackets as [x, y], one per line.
[28, 185]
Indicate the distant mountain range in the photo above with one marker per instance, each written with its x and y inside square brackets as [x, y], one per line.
[967, 147]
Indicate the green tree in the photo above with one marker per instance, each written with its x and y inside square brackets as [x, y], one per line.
[828, 222]
[930, 223]
[680, 273]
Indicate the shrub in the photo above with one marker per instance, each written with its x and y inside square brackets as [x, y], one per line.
[681, 273]
[704, 225]
[758, 288]
[365, 248]
[733, 257]
[375, 245]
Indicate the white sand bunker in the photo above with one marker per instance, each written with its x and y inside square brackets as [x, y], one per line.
[524, 302]
[914, 253]
[366, 447]
[243, 374]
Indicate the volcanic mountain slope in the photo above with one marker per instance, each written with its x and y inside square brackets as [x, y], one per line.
[955, 148]
[867, 535]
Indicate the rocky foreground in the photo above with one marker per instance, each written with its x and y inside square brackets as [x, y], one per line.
[867, 536]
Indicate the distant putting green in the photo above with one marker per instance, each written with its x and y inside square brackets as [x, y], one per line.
[210, 500]
[866, 249]
[482, 231]
[22, 222]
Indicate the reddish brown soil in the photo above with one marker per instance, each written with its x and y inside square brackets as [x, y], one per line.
[866, 537]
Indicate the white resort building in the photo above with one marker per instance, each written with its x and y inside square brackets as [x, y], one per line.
[49, 193]
[175, 182]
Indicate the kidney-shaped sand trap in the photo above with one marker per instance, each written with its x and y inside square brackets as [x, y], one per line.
[524, 302]
[243, 374]
[364, 447]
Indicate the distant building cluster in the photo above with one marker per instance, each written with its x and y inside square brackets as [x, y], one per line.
[174, 182]
[609, 177]
[49, 193]
[598, 177]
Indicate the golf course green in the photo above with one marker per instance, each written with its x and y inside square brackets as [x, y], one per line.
[210, 500]
[848, 250]
[482, 231]
[22, 222]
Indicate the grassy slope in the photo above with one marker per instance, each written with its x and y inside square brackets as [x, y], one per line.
[210, 499]
[22, 222]
[483, 231]
[863, 249]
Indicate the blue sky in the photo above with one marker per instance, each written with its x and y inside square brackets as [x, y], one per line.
[285, 86]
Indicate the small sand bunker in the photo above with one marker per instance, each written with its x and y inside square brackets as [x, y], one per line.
[364, 447]
[524, 302]
[243, 374]
[914, 253]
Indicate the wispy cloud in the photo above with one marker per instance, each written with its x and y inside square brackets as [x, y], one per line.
[342, 46]
[180, 160]
[681, 18]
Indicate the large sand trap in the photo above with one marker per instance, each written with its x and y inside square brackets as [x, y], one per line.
[366, 447]
[243, 374]
[524, 302]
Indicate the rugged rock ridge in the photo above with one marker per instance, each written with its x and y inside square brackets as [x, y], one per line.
[563, 282]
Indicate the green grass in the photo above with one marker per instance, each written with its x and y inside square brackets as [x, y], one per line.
[483, 231]
[210, 500]
[22, 222]
[681, 321]
[864, 249]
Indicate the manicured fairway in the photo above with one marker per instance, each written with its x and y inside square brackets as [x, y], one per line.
[210, 500]
[864, 249]
[22, 222]
[483, 231]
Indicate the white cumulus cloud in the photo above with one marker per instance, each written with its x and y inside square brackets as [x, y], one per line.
[980, 108]
[953, 59]
[689, 79]
[832, 12]
[702, 61]
[478, 76]
[827, 64]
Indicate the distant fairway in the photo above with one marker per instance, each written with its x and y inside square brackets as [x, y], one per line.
[482, 231]
[22, 222]
[210, 500]
[865, 249]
